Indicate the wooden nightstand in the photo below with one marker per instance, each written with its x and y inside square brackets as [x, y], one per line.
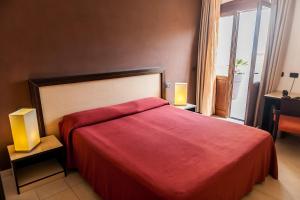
[190, 107]
[41, 165]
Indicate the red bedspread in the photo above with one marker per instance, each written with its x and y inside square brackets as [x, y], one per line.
[147, 149]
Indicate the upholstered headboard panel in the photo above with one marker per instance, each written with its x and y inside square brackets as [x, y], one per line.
[55, 97]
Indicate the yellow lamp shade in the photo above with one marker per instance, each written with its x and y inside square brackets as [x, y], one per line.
[180, 94]
[24, 129]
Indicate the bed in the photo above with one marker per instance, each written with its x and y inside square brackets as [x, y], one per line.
[144, 148]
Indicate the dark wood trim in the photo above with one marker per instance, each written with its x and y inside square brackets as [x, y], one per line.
[275, 113]
[2, 196]
[270, 103]
[93, 77]
[36, 103]
[35, 84]
[290, 107]
[162, 84]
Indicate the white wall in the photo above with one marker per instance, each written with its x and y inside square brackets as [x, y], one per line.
[292, 58]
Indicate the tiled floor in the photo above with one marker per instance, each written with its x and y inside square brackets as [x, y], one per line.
[68, 188]
[74, 187]
[288, 185]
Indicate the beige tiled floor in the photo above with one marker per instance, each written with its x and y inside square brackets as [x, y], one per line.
[288, 185]
[74, 187]
[68, 188]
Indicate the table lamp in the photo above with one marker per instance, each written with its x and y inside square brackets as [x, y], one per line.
[180, 94]
[24, 129]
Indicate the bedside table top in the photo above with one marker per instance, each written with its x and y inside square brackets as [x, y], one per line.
[47, 143]
[187, 106]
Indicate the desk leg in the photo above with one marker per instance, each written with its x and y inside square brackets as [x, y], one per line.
[267, 122]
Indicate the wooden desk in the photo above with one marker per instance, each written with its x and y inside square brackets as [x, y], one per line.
[278, 95]
[272, 100]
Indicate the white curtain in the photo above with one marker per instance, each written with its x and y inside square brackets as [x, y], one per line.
[278, 37]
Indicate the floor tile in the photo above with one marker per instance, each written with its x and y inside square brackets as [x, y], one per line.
[50, 189]
[257, 195]
[9, 187]
[64, 195]
[73, 178]
[29, 195]
[84, 192]
[288, 185]
[5, 173]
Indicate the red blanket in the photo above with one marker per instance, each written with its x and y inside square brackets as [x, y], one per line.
[147, 149]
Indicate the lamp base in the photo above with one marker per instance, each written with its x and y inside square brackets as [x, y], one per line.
[27, 150]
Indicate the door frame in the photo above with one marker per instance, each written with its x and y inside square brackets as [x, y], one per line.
[253, 59]
[231, 68]
[260, 6]
[234, 40]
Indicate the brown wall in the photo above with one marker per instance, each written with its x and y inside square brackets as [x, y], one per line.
[66, 37]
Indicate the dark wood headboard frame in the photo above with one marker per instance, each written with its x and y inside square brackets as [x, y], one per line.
[34, 85]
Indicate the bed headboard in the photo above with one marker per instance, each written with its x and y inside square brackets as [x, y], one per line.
[55, 97]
